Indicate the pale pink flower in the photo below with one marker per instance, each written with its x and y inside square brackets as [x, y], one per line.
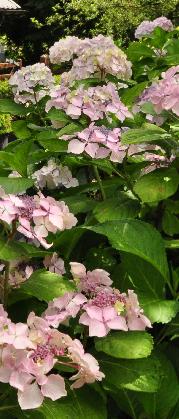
[135, 318]
[89, 281]
[25, 82]
[164, 94]
[32, 396]
[98, 142]
[101, 320]
[53, 176]
[64, 50]
[95, 102]
[51, 215]
[54, 264]
[61, 309]
[88, 366]
[147, 27]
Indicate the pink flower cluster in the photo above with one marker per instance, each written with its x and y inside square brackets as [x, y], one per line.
[147, 26]
[53, 176]
[36, 216]
[98, 142]
[95, 102]
[100, 306]
[97, 56]
[28, 354]
[164, 94]
[31, 83]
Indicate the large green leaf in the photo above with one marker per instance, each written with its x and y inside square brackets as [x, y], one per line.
[138, 238]
[143, 277]
[58, 115]
[20, 129]
[148, 283]
[130, 345]
[46, 285]
[138, 50]
[132, 93]
[11, 250]
[148, 133]
[133, 374]
[15, 185]
[79, 203]
[170, 223]
[9, 106]
[116, 208]
[158, 405]
[157, 185]
[79, 404]
[54, 145]
[159, 311]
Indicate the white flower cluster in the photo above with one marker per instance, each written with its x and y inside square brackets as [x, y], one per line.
[97, 56]
[53, 176]
[30, 84]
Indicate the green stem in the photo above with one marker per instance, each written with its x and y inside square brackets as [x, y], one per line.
[130, 405]
[8, 407]
[96, 172]
[6, 284]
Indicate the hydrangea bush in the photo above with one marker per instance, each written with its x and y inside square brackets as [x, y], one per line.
[89, 205]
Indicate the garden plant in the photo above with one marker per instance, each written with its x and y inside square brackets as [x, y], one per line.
[89, 232]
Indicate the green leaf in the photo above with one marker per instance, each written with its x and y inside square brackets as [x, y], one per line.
[58, 115]
[130, 345]
[79, 203]
[55, 145]
[141, 375]
[148, 133]
[170, 223]
[138, 238]
[130, 94]
[20, 129]
[157, 185]
[70, 129]
[144, 278]
[47, 134]
[15, 185]
[9, 106]
[79, 404]
[46, 285]
[11, 251]
[159, 311]
[138, 50]
[158, 405]
[116, 208]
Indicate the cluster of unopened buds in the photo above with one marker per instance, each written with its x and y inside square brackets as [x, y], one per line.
[29, 354]
[97, 304]
[35, 216]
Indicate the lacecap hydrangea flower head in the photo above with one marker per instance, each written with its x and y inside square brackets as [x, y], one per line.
[97, 304]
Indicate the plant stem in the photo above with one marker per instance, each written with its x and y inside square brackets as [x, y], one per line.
[96, 172]
[6, 285]
[130, 405]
